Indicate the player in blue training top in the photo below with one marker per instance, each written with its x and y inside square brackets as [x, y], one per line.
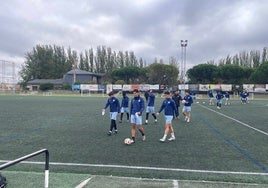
[124, 107]
[114, 104]
[227, 98]
[186, 111]
[211, 97]
[136, 109]
[177, 99]
[244, 97]
[219, 98]
[247, 94]
[150, 107]
[170, 109]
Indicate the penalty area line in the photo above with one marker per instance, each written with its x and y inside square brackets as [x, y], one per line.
[84, 183]
[242, 123]
[142, 168]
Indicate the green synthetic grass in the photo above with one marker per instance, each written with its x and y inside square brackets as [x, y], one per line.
[73, 131]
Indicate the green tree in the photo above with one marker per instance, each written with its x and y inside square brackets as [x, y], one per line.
[120, 60]
[158, 73]
[82, 62]
[264, 55]
[91, 61]
[231, 74]
[203, 74]
[128, 74]
[45, 62]
[260, 74]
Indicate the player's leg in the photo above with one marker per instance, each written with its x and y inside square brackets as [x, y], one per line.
[147, 117]
[127, 117]
[184, 112]
[121, 115]
[188, 113]
[111, 124]
[133, 127]
[139, 126]
[133, 132]
[172, 133]
[153, 114]
[147, 114]
[114, 115]
[167, 127]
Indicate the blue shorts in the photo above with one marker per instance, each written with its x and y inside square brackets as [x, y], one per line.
[168, 119]
[150, 109]
[186, 109]
[124, 110]
[136, 119]
[113, 115]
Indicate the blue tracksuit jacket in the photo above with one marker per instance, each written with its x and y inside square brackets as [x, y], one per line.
[114, 104]
[151, 99]
[169, 106]
[188, 99]
[137, 105]
[125, 101]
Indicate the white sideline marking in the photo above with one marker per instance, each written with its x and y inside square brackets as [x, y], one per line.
[84, 183]
[175, 184]
[258, 130]
[143, 168]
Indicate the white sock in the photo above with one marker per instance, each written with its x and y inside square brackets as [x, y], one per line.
[172, 135]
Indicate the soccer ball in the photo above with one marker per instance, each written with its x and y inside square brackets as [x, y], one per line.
[127, 141]
[183, 101]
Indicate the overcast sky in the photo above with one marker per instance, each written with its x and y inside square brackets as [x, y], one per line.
[150, 28]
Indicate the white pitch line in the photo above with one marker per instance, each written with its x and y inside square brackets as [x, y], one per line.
[143, 168]
[258, 130]
[84, 183]
[175, 184]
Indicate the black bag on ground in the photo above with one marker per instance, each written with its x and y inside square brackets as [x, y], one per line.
[3, 181]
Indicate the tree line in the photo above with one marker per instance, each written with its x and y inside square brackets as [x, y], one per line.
[52, 62]
[245, 67]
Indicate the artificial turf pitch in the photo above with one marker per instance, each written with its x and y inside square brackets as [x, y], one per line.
[228, 145]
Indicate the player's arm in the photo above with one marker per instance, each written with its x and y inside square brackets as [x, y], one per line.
[161, 108]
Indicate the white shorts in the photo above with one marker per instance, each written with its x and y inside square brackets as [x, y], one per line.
[136, 119]
[186, 109]
[169, 119]
[124, 110]
[113, 115]
[150, 109]
[219, 101]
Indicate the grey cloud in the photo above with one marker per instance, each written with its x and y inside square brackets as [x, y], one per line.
[150, 28]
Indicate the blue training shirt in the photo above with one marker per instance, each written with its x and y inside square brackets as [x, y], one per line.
[125, 101]
[170, 107]
[137, 105]
[219, 96]
[188, 99]
[151, 99]
[114, 104]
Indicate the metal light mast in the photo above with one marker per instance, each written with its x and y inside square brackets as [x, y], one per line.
[183, 61]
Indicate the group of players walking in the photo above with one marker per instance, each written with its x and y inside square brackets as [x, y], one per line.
[219, 97]
[170, 105]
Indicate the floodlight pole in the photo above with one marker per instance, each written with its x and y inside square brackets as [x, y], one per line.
[183, 61]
